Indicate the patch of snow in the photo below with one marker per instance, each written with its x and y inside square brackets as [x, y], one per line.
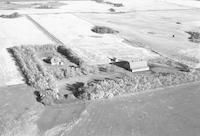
[76, 34]
[190, 3]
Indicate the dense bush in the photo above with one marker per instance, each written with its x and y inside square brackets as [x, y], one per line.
[112, 10]
[45, 48]
[13, 15]
[132, 82]
[35, 74]
[194, 36]
[103, 30]
[65, 72]
[70, 55]
[44, 6]
[99, 1]
[115, 4]
[110, 3]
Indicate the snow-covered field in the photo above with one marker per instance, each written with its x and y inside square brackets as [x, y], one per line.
[16, 32]
[162, 30]
[93, 48]
[130, 5]
[94, 7]
[188, 3]
[68, 6]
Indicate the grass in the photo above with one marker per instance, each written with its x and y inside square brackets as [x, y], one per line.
[25, 124]
[194, 36]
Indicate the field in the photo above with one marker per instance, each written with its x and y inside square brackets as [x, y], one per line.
[92, 47]
[30, 7]
[69, 67]
[156, 29]
[14, 34]
[164, 112]
[19, 111]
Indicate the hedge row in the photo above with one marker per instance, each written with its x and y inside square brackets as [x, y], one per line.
[70, 55]
[32, 69]
[131, 83]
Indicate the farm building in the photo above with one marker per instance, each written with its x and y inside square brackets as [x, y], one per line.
[136, 66]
